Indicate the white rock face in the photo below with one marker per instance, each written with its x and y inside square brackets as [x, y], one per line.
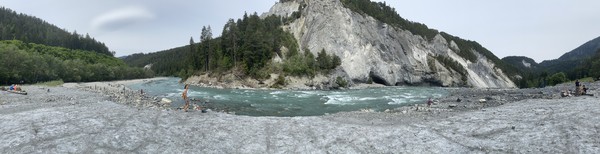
[526, 64]
[372, 49]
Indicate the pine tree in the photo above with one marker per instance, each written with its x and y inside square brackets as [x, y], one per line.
[205, 38]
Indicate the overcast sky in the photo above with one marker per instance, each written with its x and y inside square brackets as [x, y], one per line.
[540, 29]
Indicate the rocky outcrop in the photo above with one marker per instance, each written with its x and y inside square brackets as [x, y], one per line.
[370, 49]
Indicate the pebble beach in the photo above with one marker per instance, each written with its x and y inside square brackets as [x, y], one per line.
[106, 117]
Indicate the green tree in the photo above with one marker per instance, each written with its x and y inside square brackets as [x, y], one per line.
[324, 60]
[205, 38]
[557, 78]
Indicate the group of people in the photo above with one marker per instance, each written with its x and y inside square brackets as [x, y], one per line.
[14, 87]
[579, 90]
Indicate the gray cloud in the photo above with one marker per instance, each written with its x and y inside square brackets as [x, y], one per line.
[122, 17]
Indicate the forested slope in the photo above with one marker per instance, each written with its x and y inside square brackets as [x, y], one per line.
[29, 29]
[246, 46]
[31, 63]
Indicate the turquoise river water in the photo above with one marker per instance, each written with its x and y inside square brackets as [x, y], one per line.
[257, 102]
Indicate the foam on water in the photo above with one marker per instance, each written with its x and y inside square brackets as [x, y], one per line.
[291, 102]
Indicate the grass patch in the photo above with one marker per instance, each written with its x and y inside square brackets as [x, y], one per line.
[54, 83]
[588, 79]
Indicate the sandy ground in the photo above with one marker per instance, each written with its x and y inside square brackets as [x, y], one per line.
[78, 119]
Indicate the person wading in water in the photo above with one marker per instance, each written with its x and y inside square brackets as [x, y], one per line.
[185, 98]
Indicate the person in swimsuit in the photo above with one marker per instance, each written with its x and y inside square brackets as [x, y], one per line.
[185, 98]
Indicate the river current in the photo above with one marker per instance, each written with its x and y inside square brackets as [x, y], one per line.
[258, 102]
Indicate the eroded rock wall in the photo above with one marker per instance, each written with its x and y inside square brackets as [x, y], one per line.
[388, 55]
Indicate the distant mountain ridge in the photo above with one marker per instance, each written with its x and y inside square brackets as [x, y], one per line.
[572, 59]
[581, 62]
[29, 29]
[587, 49]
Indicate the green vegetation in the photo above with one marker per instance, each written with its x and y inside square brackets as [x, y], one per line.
[30, 29]
[341, 82]
[54, 83]
[588, 67]
[279, 82]
[246, 48]
[370, 80]
[584, 68]
[557, 78]
[300, 64]
[388, 15]
[450, 64]
[33, 63]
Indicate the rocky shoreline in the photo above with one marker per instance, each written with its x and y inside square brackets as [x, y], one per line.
[118, 92]
[458, 100]
[86, 118]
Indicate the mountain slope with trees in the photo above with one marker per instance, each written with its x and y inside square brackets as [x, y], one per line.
[582, 62]
[246, 48]
[33, 50]
[572, 61]
[31, 63]
[29, 29]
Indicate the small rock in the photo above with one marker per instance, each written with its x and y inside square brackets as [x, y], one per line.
[166, 101]
[452, 105]
[482, 100]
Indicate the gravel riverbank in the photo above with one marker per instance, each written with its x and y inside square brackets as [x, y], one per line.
[76, 119]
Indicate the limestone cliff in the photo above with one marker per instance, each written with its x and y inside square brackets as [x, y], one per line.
[388, 55]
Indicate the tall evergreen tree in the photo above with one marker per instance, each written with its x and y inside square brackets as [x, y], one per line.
[205, 38]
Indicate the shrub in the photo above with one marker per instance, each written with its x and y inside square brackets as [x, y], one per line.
[341, 82]
[557, 78]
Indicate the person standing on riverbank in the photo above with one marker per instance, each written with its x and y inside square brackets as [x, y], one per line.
[578, 90]
[185, 98]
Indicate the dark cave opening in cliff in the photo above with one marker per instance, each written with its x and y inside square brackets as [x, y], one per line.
[377, 79]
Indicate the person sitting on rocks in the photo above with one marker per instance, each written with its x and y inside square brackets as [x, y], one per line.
[565, 93]
[584, 90]
[429, 102]
[577, 88]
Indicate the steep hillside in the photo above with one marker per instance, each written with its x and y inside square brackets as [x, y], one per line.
[31, 63]
[33, 50]
[29, 29]
[572, 61]
[573, 58]
[522, 63]
[585, 50]
[388, 49]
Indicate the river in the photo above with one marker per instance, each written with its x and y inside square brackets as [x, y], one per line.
[258, 102]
